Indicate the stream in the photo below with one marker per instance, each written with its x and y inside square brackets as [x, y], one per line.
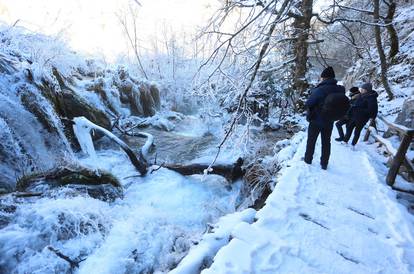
[159, 218]
[149, 230]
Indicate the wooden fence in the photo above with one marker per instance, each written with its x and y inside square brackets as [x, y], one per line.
[399, 156]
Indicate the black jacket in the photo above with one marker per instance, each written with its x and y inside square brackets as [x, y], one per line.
[316, 99]
[364, 107]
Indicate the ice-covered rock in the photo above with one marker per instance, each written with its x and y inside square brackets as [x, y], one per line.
[406, 116]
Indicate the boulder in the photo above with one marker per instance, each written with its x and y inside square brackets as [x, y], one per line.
[68, 104]
[98, 86]
[155, 93]
[146, 100]
[33, 103]
[143, 98]
[406, 116]
[72, 105]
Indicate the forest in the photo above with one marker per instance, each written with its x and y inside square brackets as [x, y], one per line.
[173, 136]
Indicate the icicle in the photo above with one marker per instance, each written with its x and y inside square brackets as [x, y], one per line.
[146, 147]
[83, 127]
[82, 130]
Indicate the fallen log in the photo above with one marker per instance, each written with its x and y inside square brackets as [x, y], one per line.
[97, 184]
[83, 127]
[65, 175]
[72, 263]
[230, 172]
[27, 194]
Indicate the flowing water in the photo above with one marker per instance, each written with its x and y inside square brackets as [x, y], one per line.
[160, 216]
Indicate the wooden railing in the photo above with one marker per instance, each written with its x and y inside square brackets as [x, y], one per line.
[399, 156]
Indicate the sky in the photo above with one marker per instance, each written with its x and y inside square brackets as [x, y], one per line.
[92, 26]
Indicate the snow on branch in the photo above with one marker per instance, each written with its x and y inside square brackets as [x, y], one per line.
[351, 20]
[82, 128]
[211, 243]
[370, 12]
[280, 66]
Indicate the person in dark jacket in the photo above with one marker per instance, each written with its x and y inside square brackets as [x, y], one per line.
[353, 94]
[362, 109]
[318, 124]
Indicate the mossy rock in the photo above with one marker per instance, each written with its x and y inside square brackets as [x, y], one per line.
[146, 100]
[68, 104]
[155, 93]
[98, 87]
[74, 106]
[32, 103]
[61, 176]
[98, 183]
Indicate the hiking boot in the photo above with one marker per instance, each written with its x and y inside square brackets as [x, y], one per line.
[307, 161]
[339, 139]
[324, 167]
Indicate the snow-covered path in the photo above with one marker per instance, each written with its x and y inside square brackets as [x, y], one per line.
[343, 220]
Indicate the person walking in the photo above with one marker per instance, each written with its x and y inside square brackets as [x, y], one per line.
[353, 94]
[319, 121]
[362, 109]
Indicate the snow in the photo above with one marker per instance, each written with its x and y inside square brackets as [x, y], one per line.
[343, 220]
[157, 208]
[82, 128]
[160, 216]
[212, 242]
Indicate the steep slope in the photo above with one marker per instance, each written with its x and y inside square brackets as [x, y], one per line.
[43, 84]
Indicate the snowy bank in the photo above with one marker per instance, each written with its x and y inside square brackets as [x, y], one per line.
[318, 221]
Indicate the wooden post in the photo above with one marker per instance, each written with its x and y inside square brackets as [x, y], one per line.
[399, 158]
[368, 132]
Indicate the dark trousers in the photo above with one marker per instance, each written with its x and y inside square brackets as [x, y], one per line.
[350, 127]
[339, 125]
[313, 132]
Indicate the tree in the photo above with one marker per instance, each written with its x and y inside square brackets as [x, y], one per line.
[128, 21]
[392, 33]
[301, 29]
[369, 16]
[380, 49]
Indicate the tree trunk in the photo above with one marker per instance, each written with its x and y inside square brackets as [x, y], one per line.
[230, 172]
[301, 26]
[381, 53]
[392, 33]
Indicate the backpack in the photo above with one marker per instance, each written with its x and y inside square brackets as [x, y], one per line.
[335, 106]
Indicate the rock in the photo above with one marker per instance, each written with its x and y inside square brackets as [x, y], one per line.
[98, 86]
[146, 100]
[5, 188]
[406, 116]
[155, 93]
[6, 212]
[33, 103]
[6, 65]
[73, 105]
[97, 183]
[104, 192]
[68, 104]
[143, 99]
[13, 154]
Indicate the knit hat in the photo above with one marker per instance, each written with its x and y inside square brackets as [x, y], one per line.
[367, 86]
[354, 90]
[328, 73]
